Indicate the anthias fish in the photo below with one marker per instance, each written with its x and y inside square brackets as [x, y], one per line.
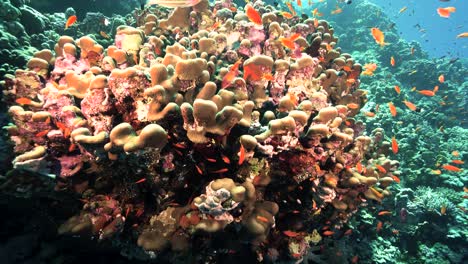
[174, 3]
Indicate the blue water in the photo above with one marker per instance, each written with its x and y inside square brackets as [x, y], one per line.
[439, 38]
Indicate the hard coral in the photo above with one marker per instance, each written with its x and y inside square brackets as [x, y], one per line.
[166, 128]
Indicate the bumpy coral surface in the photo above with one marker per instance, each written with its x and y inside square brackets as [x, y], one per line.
[198, 122]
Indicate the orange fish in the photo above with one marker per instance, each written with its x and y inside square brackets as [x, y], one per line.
[443, 210]
[370, 68]
[299, 3]
[455, 153]
[378, 36]
[458, 162]
[241, 155]
[316, 22]
[451, 168]
[436, 172]
[441, 78]
[262, 219]
[23, 101]
[70, 21]
[328, 233]
[288, 43]
[397, 89]
[348, 232]
[394, 145]
[396, 179]
[370, 114]
[252, 72]
[384, 213]
[353, 106]
[436, 88]
[104, 35]
[253, 15]
[268, 77]
[215, 25]
[359, 167]
[379, 226]
[291, 8]
[226, 159]
[380, 168]
[392, 61]
[392, 108]
[287, 15]
[291, 233]
[72, 147]
[445, 11]
[337, 10]
[410, 105]
[229, 77]
[426, 92]
[42, 133]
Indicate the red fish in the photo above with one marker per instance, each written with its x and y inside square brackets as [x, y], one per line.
[384, 213]
[380, 168]
[229, 77]
[70, 21]
[451, 168]
[392, 61]
[262, 219]
[23, 101]
[410, 105]
[458, 162]
[394, 145]
[445, 11]
[392, 108]
[328, 233]
[287, 15]
[220, 170]
[396, 179]
[252, 72]
[352, 106]
[241, 155]
[141, 180]
[291, 233]
[198, 169]
[253, 15]
[42, 133]
[379, 226]
[397, 89]
[441, 78]
[427, 92]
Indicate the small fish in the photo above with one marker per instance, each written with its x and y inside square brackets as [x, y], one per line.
[436, 88]
[436, 172]
[291, 8]
[413, 72]
[370, 114]
[455, 153]
[225, 159]
[241, 155]
[460, 162]
[394, 145]
[223, 170]
[376, 193]
[359, 167]
[370, 68]
[397, 89]
[441, 78]
[262, 219]
[396, 179]
[199, 170]
[392, 61]
[104, 35]
[42, 133]
[141, 180]
[70, 21]
[288, 43]
[72, 147]
[463, 35]
[291, 233]
[23, 101]
[231, 75]
[384, 213]
[253, 15]
[379, 226]
[268, 77]
[353, 106]
[337, 10]
[426, 92]
[445, 11]
[443, 210]
[380, 168]
[392, 108]
[211, 160]
[287, 15]
[410, 105]
[174, 3]
[451, 168]
[403, 9]
[378, 36]
[328, 233]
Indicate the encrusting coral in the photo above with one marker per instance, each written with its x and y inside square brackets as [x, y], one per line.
[147, 130]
